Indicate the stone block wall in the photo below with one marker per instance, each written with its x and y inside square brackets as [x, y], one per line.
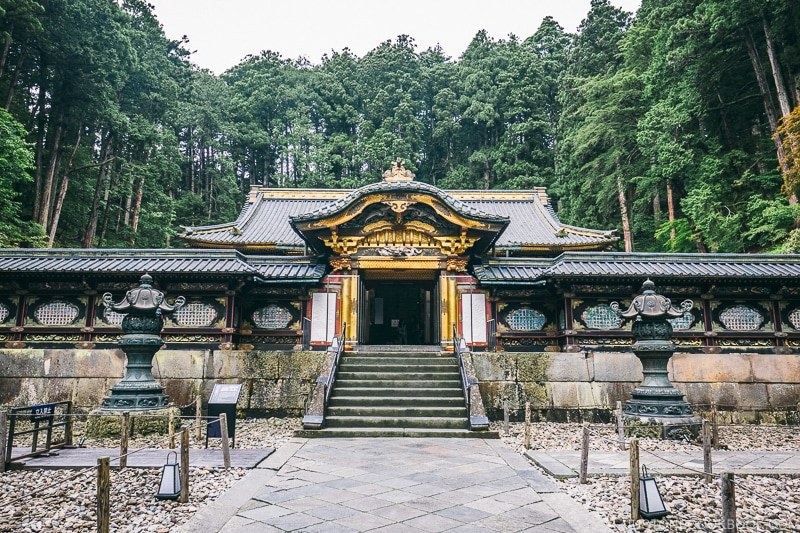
[274, 382]
[559, 385]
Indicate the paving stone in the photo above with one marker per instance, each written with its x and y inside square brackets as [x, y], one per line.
[463, 513]
[331, 512]
[433, 522]
[294, 521]
[265, 513]
[363, 521]
[399, 512]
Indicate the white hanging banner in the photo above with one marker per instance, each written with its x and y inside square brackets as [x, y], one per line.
[323, 316]
[473, 317]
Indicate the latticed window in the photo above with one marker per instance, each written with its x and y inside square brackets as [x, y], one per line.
[525, 319]
[741, 318]
[272, 317]
[4, 312]
[112, 317]
[794, 318]
[195, 314]
[684, 322]
[56, 314]
[601, 317]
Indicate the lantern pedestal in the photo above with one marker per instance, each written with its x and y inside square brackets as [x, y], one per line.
[144, 308]
[138, 389]
[657, 408]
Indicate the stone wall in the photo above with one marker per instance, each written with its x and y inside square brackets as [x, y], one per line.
[557, 384]
[274, 382]
[560, 385]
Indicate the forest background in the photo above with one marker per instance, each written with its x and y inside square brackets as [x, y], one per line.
[679, 124]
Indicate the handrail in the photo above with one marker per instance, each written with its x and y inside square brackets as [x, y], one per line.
[338, 345]
[457, 349]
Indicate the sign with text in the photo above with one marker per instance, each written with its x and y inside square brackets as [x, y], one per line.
[42, 412]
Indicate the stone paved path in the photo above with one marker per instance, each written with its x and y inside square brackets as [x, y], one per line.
[394, 484]
[566, 463]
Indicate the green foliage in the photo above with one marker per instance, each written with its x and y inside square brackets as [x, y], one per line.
[627, 112]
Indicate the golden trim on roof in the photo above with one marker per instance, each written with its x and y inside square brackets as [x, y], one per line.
[398, 172]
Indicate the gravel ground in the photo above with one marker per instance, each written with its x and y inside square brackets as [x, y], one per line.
[64, 501]
[764, 504]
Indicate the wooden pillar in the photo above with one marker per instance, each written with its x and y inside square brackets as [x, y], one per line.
[452, 305]
[355, 304]
[344, 307]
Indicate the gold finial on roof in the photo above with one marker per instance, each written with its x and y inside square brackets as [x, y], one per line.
[398, 172]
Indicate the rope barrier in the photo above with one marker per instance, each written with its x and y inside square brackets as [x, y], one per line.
[701, 472]
[88, 469]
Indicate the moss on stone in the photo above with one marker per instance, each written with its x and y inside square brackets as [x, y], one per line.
[102, 424]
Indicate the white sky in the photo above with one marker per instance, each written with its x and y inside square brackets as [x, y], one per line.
[222, 32]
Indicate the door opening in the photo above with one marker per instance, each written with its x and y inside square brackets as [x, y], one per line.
[401, 312]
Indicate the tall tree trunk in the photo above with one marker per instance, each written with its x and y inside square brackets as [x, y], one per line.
[49, 178]
[137, 208]
[671, 213]
[41, 128]
[63, 191]
[777, 75]
[766, 95]
[91, 227]
[6, 47]
[623, 210]
[14, 79]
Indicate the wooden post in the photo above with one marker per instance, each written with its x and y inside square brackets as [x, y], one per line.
[635, 479]
[123, 441]
[184, 497]
[714, 427]
[223, 432]
[527, 425]
[198, 418]
[505, 415]
[584, 455]
[707, 450]
[171, 428]
[3, 439]
[103, 494]
[68, 425]
[620, 426]
[728, 503]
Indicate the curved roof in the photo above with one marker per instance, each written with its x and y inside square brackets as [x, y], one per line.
[265, 222]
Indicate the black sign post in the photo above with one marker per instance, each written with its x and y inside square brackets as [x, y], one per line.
[223, 399]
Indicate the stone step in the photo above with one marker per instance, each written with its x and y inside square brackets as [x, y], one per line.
[399, 401]
[398, 383]
[398, 411]
[348, 366]
[396, 432]
[433, 422]
[397, 348]
[396, 376]
[427, 360]
[396, 392]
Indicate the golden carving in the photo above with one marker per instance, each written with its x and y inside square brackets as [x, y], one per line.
[340, 263]
[343, 245]
[456, 245]
[398, 206]
[398, 172]
[457, 265]
[420, 262]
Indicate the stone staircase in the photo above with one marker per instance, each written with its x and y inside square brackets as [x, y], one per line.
[397, 394]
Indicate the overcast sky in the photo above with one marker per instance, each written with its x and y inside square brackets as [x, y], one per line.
[222, 32]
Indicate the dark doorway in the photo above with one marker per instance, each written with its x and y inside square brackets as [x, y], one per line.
[401, 312]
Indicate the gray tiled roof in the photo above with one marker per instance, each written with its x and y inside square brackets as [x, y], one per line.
[265, 220]
[675, 265]
[464, 208]
[642, 265]
[278, 269]
[122, 261]
[157, 262]
[533, 223]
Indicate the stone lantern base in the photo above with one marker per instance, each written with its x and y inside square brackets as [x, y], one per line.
[652, 418]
